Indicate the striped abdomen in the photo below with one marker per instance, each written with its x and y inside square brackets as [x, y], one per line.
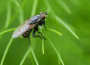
[27, 33]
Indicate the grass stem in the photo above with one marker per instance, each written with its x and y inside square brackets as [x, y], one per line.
[7, 31]
[6, 50]
[22, 61]
[56, 51]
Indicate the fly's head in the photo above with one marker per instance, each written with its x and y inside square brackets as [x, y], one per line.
[43, 15]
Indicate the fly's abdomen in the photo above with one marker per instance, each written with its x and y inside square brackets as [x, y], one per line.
[27, 33]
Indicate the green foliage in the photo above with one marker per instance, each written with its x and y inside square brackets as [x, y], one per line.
[66, 19]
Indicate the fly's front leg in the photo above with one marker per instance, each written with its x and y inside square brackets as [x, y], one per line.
[44, 24]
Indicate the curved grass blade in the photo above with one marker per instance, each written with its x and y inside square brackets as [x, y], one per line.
[17, 12]
[62, 22]
[49, 7]
[34, 56]
[34, 7]
[21, 15]
[6, 50]
[65, 7]
[24, 3]
[30, 49]
[3, 3]
[42, 41]
[8, 14]
[16, 3]
[43, 46]
[56, 51]
[22, 61]
[54, 31]
[7, 31]
[14, 15]
[59, 20]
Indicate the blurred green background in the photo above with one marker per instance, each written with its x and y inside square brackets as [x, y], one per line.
[64, 16]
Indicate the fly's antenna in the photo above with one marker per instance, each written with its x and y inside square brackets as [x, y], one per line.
[46, 13]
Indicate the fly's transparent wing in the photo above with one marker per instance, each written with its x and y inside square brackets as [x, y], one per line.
[21, 29]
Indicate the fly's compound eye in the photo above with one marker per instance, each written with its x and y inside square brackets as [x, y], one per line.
[43, 15]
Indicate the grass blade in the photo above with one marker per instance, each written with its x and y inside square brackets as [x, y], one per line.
[6, 50]
[56, 51]
[49, 7]
[17, 12]
[41, 30]
[8, 14]
[43, 46]
[7, 31]
[65, 7]
[22, 61]
[16, 3]
[54, 31]
[34, 7]
[62, 22]
[34, 56]
[21, 15]
[59, 20]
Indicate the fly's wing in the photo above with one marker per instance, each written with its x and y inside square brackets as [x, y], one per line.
[21, 29]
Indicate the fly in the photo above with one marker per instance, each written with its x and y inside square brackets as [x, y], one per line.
[31, 23]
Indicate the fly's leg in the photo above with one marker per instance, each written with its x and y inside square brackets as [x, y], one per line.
[36, 35]
[40, 33]
[44, 24]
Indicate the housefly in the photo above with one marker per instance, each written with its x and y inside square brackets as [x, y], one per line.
[31, 24]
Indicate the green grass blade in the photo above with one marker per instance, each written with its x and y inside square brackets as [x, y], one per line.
[17, 12]
[49, 7]
[21, 15]
[22, 61]
[54, 31]
[65, 7]
[8, 14]
[34, 57]
[43, 46]
[34, 7]
[42, 41]
[6, 50]
[16, 3]
[24, 3]
[56, 51]
[59, 20]
[7, 31]
[64, 24]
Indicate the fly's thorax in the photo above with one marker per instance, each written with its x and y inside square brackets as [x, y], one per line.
[34, 19]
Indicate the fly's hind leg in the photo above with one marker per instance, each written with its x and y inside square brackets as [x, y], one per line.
[42, 35]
